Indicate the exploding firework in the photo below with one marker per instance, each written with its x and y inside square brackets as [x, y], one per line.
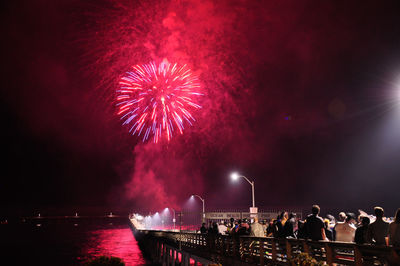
[156, 101]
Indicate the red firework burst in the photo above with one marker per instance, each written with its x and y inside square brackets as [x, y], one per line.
[157, 100]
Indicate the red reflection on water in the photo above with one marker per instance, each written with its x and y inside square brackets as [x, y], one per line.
[114, 242]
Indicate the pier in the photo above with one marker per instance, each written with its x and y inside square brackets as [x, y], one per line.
[190, 248]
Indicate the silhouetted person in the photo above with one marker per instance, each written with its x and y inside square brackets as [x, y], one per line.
[361, 232]
[314, 225]
[212, 229]
[378, 230]
[237, 226]
[301, 230]
[290, 226]
[332, 224]
[232, 223]
[203, 229]
[271, 228]
[328, 230]
[394, 230]
[281, 223]
[244, 228]
[212, 234]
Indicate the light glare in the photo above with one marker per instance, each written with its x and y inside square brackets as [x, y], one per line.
[235, 176]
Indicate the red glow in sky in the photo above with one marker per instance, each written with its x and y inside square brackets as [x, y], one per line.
[287, 89]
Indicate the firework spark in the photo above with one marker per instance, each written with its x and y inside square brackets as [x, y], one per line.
[156, 101]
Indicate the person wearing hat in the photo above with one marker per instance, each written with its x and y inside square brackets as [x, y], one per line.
[345, 231]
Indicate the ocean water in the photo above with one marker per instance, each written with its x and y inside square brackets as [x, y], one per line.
[67, 241]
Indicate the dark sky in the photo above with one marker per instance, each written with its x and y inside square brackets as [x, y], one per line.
[299, 96]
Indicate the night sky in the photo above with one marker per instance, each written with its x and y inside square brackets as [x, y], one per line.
[301, 96]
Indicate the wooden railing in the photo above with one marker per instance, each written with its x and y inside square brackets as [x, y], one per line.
[229, 250]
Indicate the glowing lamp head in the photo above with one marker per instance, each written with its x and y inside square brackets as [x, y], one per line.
[235, 176]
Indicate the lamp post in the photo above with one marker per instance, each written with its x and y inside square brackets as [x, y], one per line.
[173, 220]
[236, 176]
[203, 218]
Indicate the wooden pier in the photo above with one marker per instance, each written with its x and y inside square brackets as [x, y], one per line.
[179, 248]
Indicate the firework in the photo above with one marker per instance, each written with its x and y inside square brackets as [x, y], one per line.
[156, 101]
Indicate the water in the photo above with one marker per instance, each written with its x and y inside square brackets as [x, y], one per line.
[67, 241]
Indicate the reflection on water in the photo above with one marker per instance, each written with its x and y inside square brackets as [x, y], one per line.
[117, 242]
[68, 241]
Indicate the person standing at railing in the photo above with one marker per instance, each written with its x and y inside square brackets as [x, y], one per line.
[272, 230]
[342, 217]
[290, 225]
[231, 223]
[222, 229]
[301, 230]
[256, 229]
[394, 230]
[361, 232]
[203, 229]
[265, 226]
[378, 230]
[244, 228]
[230, 227]
[328, 230]
[314, 225]
[213, 229]
[345, 231]
[283, 217]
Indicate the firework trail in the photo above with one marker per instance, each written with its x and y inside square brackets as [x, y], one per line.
[157, 100]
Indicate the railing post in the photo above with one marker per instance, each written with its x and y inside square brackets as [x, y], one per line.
[288, 250]
[274, 255]
[394, 256]
[160, 252]
[261, 252]
[234, 246]
[241, 247]
[177, 257]
[306, 247]
[164, 259]
[223, 245]
[187, 260]
[329, 253]
[168, 255]
[357, 256]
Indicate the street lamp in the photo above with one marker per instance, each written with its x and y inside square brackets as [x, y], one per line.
[235, 176]
[203, 205]
[174, 220]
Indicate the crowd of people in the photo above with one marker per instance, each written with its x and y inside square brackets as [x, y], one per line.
[364, 229]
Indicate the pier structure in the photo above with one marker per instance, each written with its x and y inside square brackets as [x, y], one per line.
[191, 248]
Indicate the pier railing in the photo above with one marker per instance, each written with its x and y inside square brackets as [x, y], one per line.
[231, 250]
